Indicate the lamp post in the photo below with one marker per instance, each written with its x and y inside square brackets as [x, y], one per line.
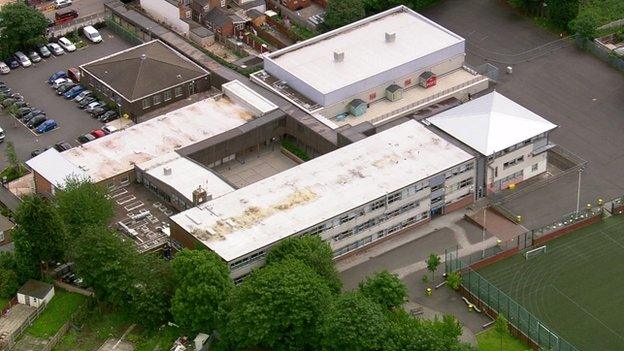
[578, 192]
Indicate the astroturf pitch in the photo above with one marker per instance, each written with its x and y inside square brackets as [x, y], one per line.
[575, 288]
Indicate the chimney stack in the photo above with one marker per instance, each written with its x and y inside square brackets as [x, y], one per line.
[339, 55]
[200, 196]
[390, 37]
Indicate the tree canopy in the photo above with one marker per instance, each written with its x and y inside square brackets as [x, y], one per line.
[22, 26]
[386, 289]
[312, 251]
[279, 307]
[83, 204]
[203, 285]
[343, 12]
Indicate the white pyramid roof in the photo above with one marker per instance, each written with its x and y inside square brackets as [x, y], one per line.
[491, 123]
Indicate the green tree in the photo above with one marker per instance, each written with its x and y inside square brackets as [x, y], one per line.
[354, 322]
[343, 12]
[202, 285]
[279, 307]
[151, 290]
[502, 328]
[312, 251]
[386, 289]
[562, 12]
[22, 27]
[432, 265]
[105, 263]
[26, 263]
[453, 280]
[585, 25]
[41, 232]
[8, 283]
[83, 204]
[447, 330]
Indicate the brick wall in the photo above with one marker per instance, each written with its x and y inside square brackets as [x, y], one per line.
[568, 229]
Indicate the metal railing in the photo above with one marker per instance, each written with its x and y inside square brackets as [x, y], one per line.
[426, 100]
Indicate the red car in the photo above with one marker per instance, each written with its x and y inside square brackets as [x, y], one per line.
[98, 133]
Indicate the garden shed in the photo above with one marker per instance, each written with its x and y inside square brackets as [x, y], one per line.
[394, 92]
[358, 107]
[35, 293]
[427, 79]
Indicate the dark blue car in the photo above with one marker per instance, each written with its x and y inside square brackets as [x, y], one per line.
[46, 126]
[73, 92]
[57, 75]
[12, 62]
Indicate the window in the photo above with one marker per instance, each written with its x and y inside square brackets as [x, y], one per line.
[534, 167]
[167, 95]
[436, 187]
[408, 82]
[378, 204]
[157, 99]
[146, 104]
[178, 91]
[372, 96]
[513, 162]
[394, 197]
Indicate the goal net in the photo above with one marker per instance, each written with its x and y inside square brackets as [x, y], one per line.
[534, 252]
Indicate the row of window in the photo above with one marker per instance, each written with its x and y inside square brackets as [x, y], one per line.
[248, 259]
[380, 234]
[513, 162]
[459, 185]
[459, 170]
[157, 98]
[517, 146]
[374, 221]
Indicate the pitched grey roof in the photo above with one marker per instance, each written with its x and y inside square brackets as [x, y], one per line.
[35, 288]
[218, 17]
[144, 70]
[426, 74]
[251, 4]
[357, 102]
[392, 88]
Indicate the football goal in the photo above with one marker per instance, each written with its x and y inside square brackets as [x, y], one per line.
[534, 252]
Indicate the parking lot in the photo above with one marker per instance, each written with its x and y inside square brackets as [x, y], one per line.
[32, 84]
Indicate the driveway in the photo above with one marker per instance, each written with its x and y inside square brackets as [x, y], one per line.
[572, 88]
[31, 83]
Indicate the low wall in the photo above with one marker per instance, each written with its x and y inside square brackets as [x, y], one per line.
[557, 233]
[493, 259]
[74, 289]
[291, 156]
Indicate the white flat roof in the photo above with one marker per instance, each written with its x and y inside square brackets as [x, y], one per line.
[118, 152]
[186, 175]
[366, 52]
[491, 123]
[55, 168]
[238, 91]
[265, 212]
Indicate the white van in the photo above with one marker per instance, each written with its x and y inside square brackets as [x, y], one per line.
[92, 34]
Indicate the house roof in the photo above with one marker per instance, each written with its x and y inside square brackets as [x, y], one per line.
[251, 4]
[55, 168]
[5, 223]
[144, 70]
[35, 288]
[218, 17]
[427, 74]
[491, 123]
[392, 88]
[253, 13]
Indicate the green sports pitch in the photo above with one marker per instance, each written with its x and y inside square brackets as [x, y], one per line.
[575, 287]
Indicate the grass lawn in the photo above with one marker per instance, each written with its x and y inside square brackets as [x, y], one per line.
[99, 324]
[58, 312]
[489, 340]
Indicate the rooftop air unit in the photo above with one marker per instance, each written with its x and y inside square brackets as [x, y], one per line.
[390, 37]
[339, 55]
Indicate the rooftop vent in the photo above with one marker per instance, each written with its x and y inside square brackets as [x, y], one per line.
[390, 37]
[166, 170]
[338, 55]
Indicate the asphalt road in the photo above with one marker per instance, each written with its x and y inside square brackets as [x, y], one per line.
[84, 8]
[31, 83]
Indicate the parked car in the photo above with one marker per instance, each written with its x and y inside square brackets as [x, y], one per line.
[74, 74]
[83, 95]
[92, 106]
[12, 62]
[43, 50]
[73, 92]
[20, 103]
[63, 16]
[86, 138]
[86, 101]
[46, 126]
[4, 69]
[2, 135]
[65, 87]
[5, 90]
[57, 75]
[23, 60]
[109, 129]
[66, 44]
[108, 116]
[36, 152]
[92, 34]
[62, 3]
[32, 115]
[98, 133]
[34, 56]
[57, 83]
[62, 146]
[98, 111]
[36, 121]
[56, 49]
[23, 111]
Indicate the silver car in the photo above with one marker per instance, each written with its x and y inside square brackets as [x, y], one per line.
[56, 49]
[4, 69]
